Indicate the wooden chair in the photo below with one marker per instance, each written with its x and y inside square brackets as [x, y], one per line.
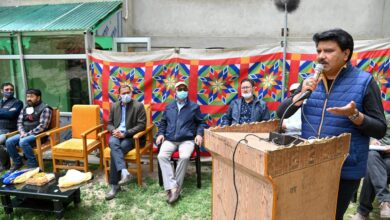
[42, 142]
[195, 156]
[85, 126]
[133, 156]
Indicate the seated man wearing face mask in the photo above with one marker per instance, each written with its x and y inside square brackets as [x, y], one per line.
[127, 117]
[246, 109]
[10, 108]
[33, 119]
[180, 128]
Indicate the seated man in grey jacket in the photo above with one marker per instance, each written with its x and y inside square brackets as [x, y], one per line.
[127, 117]
[247, 108]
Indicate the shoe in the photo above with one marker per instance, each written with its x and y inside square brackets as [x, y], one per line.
[125, 180]
[174, 196]
[168, 195]
[112, 193]
[15, 167]
[359, 216]
[385, 209]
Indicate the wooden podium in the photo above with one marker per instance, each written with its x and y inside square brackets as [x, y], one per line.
[274, 182]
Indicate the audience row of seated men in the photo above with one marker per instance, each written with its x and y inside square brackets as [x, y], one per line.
[180, 128]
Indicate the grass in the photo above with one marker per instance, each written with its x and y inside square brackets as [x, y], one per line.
[353, 207]
[146, 202]
[133, 202]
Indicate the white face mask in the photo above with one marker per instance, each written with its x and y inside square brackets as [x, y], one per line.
[126, 98]
[247, 95]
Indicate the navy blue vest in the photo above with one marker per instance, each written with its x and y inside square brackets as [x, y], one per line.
[350, 84]
[29, 123]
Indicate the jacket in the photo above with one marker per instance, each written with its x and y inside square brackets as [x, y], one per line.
[259, 112]
[350, 84]
[135, 118]
[9, 112]
[181, 125]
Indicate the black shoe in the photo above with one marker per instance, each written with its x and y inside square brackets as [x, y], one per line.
[112, 193]
[15, 167]
[125, 180]
[175, 195]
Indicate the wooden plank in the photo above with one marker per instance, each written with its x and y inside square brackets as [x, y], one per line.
[255, 193]
[309, 193]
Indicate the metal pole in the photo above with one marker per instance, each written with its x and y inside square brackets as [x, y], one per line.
[284, 50]
[88, 49]
[21, 59]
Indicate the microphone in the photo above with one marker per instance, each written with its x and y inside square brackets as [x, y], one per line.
[279, 137]
[317, 72]
[283, 139]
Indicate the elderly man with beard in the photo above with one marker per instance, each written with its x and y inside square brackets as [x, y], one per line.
[246, 109]
[33, 119]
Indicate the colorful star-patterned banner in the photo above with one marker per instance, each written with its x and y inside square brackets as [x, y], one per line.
[213, 76]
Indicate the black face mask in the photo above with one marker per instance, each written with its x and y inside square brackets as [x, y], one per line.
[8, 95]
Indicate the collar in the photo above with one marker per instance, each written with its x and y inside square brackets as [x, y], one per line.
[183, 102]
[325, 79]
[123, 104]
[253, 100]
[340, 70]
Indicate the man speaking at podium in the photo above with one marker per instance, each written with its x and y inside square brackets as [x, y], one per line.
[341, 99]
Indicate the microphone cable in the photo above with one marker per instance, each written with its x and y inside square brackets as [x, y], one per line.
[305, 118]
[234, 167]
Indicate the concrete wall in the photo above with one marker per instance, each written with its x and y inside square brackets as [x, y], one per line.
[237, 23]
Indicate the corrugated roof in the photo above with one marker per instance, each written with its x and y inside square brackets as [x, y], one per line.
[59, 17]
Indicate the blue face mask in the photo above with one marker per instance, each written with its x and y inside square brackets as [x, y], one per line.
[182, 94]
[8, 95]
[126, 98]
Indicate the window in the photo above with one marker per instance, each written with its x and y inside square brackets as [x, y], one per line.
[70, 44]
[63, 82]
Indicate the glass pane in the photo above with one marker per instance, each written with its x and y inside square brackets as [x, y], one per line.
[9, 46]
[10, 72]
[63, 82]
[71, 44]
[103, 43]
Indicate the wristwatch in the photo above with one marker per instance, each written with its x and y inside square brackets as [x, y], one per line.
[354, 116]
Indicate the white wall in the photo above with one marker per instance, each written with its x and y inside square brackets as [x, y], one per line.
[236, 23]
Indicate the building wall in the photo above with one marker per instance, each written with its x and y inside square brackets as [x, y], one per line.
[237, 23]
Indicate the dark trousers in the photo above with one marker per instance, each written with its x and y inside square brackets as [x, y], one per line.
[375, 182]
[119, 148]
[347, 188]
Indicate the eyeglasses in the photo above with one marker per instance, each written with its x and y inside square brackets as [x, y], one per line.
[246, 87]
[182, 89]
